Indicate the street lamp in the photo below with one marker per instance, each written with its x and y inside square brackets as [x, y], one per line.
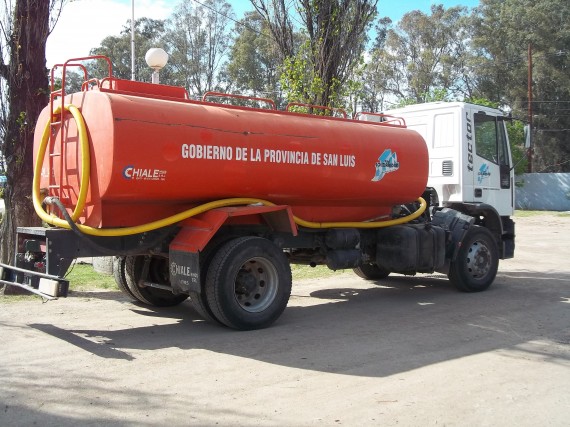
[156, 58]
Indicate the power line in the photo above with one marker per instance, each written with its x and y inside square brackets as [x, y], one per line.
[229, 17]
[546, 102]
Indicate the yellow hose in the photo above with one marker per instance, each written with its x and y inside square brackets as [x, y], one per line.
[116, 232]
[85, 164]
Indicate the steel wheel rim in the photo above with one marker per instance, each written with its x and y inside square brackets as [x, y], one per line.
[256, 285]
[479, 260]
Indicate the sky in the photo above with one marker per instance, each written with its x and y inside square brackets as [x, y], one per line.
[84, 23]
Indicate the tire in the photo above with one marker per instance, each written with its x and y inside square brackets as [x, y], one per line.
[120, 279]
[248, 284]
[477, 261]
[158, 272]
[371, 272]
[198, 301]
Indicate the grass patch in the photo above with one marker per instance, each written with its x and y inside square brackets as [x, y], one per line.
[526, 214]
[320, 271]
[84, 278]
[9, 299]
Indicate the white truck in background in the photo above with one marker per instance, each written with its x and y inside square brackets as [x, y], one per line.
[471, 168]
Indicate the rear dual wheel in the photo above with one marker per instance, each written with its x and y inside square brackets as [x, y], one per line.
[145, 268]
[119, 276]
[248, 283]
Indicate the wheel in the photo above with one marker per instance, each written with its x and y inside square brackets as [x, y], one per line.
[248, 283]
[371, 272]
[158, 272]
[119, 275]
[200, 305]
[198, 301]
[477, 261]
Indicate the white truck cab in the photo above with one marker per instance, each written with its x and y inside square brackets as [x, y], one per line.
[470, 162]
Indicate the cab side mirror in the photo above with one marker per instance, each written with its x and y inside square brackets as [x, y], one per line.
[527, 136]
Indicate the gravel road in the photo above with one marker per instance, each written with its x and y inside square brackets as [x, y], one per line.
[408, 351]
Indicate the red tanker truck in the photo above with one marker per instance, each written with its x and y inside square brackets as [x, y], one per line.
[212, 202]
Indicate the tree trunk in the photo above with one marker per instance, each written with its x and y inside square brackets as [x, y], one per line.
[27, 82]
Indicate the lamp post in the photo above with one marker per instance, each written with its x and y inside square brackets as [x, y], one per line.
[156, 58]
[133, 40]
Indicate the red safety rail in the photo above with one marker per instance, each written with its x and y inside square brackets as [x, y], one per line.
[316, 107]
[384, 119]
[244, 97]
[56, 186]
[136, 88]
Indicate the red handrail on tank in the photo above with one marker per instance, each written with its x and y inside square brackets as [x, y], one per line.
[318, 107]
[387, 119]
[249, 98]
[144, 89]
[57, 119]
[85, 85]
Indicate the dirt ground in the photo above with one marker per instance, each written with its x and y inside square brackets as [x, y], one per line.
[409, 352]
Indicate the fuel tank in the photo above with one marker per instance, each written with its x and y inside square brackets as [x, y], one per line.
[152, 156]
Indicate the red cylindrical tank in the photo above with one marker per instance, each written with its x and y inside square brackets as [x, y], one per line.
[153, 157]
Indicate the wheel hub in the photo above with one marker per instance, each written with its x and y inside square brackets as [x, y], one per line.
[245, 283]
[478, 260]
[256, 285]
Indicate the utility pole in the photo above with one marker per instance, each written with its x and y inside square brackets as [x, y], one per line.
[529, 149]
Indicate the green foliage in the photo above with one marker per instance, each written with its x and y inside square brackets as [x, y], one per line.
[198, 38]
[526, 214]
[483, 102]
[148, 33]
[254, 64]
[436, 95]
[301, 272]
[298, 78]
[515, 130]
[21, 120]
[422, 59]
[83, 277]
[443, 55]
[73, 81]
[502, 31]
[319, 71]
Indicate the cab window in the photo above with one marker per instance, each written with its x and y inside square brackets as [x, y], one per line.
[486, 137]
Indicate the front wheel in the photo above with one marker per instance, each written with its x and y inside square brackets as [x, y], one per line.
[477, 261]
[248, 283]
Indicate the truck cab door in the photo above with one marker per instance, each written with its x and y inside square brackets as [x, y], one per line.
[492, 174]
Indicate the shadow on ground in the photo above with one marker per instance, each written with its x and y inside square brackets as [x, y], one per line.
[402, 324]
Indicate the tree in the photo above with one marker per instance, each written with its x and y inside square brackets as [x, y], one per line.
[422, 58]
[279, 22]
[503, 31]
[336, 33]
[254, 58]
[24, 80]
[198, 40]
[371, 94]
[148, 34]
